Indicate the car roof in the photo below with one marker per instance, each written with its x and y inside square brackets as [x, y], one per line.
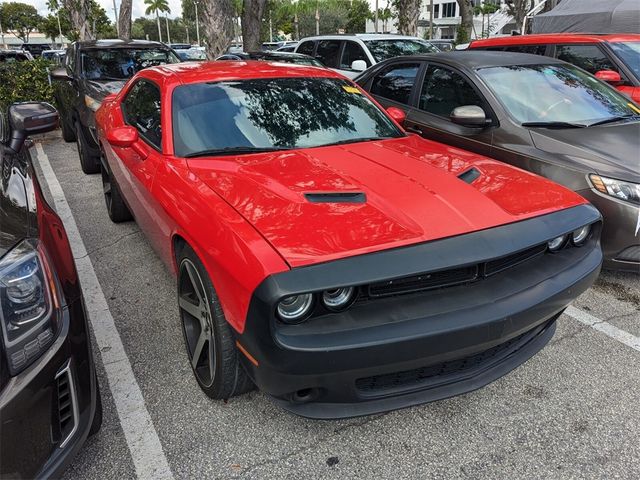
[481, 58]
[363, 37]
[119, 43]
[220, 70]
[554, 38]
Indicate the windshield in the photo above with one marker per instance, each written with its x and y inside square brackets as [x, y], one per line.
[629, 52]
[281, 113]
[555, 93]
[122, 63]
[383, 49]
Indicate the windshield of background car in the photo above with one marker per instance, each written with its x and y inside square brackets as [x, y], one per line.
[554, 93]
[282, 113]
[122, 63]
[383, 49]
[629, 52]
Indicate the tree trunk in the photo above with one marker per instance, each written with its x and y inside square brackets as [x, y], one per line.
[79, 13]
[251, 23]
[408, 14]
[218, 26]
[466, 24]
[124, 20]
[159, 29]
[518, 10]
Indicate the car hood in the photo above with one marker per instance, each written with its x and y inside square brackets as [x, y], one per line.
[100, 89]
[609, 150]
[410, 188]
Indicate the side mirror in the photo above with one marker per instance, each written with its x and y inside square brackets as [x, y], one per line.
[29, 118]
[397, 114]
[469, 116]
[123, 137]
[59, 74]
[359, 65]
[609, 76]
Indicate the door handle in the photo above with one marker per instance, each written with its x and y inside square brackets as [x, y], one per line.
[414, 130]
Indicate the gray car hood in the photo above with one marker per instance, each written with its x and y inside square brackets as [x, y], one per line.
[610, 150]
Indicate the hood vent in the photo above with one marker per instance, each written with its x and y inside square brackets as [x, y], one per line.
[469, 175]
[336, 197]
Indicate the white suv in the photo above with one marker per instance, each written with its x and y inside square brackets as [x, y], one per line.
[352, 54]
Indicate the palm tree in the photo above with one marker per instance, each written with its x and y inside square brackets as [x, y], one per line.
[157, 6]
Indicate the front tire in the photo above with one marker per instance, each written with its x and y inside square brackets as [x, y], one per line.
[211, 349]
[89, 163]
[116, 208]
[68, 135]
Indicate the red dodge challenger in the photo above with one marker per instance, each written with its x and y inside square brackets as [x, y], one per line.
[324, 255]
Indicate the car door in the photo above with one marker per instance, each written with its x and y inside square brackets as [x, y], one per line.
[351, 52]
[67, 91]
[443, 89]
[141, 109]
[328, 52]
[393, 85]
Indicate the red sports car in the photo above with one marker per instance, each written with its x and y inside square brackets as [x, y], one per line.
[324, 255]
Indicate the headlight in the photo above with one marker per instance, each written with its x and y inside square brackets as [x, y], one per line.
[627, 191]
[338, 298]
[579, 236]
[295, 308]
[27, 304]
[92, 103]
[556, 243]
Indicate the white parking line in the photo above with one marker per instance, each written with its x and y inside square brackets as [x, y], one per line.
[604, 327]
[143, 442]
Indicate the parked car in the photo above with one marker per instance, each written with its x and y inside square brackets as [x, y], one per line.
[191, 55]
[444, 45]
[288, 47]
[180, 46]
[56, 56]
[614, 58]
[542, 115]
[274, 56]
[352, 54]
[35, 49]
[321, 253]
[49, 397]
[93, 70]
[9, 56]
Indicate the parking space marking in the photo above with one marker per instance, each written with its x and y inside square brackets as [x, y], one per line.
[142, 439]
[604, 327]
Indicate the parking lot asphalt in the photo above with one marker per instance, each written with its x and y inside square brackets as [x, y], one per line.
[570, 412]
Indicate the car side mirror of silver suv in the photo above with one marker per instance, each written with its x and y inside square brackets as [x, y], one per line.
[359, 65]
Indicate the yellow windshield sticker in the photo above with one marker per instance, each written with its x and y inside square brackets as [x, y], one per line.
[633, 107]
[350, 89]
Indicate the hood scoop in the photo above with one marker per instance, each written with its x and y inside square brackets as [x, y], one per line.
[470, 175]
[336, 197]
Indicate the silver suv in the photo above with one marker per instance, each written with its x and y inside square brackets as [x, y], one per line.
[352, 54]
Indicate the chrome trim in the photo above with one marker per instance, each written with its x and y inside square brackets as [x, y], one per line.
[66, 370]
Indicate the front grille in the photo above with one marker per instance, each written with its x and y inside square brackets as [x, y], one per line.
[439, 373]
[453, 276]
[67, 408]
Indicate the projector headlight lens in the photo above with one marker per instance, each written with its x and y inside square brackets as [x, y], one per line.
[580, 235]
[556, 243]
[338, 298]
[295, 308]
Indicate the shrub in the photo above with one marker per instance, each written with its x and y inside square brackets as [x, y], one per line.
[22, 81]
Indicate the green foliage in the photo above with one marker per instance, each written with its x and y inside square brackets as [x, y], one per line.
[357, 18]
[97, 16]
[24, 81]
[21, 18]
[156, 7]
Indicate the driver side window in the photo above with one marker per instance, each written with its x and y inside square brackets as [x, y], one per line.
[141, 109]
[443, 90]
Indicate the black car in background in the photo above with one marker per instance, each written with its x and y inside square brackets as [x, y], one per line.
[49, 397]
[9, 56]
[537, 113]
[92, 71]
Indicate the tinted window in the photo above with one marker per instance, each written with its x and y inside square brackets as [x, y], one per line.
[587, 57]
[328, 51]
[629, 52]
[121, 63]
[141, 109]
[555, 93]
[533, 49]
[443, 90]
[383, 49]
[268, 113]
[352, 52]
[395, 82]
[306, 47]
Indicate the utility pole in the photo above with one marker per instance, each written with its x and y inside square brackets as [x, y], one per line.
[197, 23]
[375, 19]
[59, 27]
[115, 14]
[4, 45]
[431, 21]
[318, 18]
[270, 28]
[166, 21]
[186, 29]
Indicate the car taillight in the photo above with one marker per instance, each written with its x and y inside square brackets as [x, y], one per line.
[29, 304]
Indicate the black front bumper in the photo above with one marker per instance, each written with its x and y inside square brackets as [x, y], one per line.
[403, 350]
[32, 444]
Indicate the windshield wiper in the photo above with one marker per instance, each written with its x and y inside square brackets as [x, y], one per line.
[233, 151]
[355, 140]
[613, 119]
[554, 125]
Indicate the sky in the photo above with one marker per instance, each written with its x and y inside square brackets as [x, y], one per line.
[138, 7]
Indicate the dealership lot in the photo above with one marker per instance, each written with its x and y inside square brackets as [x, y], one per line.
[571, 411]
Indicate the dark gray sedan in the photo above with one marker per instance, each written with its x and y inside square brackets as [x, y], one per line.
[540, 114]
